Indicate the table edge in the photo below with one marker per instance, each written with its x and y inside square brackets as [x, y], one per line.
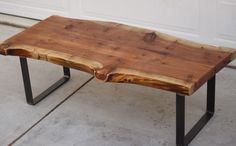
[118, 75]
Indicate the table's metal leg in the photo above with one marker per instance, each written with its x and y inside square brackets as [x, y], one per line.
[181, 139]
[180, 120]
[27, 84]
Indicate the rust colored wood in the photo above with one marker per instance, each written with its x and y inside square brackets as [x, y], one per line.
[115, 52]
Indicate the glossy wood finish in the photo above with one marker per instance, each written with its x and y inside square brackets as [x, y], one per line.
[115, 52]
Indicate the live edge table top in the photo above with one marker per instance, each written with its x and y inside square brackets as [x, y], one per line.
[119, 53]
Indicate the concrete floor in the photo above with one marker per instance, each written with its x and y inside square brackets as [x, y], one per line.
[101, 114]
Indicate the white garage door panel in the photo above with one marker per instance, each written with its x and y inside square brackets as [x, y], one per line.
[207, 21]
[173, 14]
[132, 10]
[34, 8]
[227, 20]
[47, 4]
[162, 13]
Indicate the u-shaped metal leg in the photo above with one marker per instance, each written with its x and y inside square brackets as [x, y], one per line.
[181, 138]
[27, 85]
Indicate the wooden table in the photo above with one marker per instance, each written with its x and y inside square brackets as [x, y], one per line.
[115, 52]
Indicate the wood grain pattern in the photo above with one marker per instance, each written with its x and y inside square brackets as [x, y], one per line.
[115, 52]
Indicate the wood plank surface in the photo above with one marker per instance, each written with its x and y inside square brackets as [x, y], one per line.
[115, 52]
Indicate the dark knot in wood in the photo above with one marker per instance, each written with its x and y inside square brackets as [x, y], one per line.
[70, 26]
[150, 37]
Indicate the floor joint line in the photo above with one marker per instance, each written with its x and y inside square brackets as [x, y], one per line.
[47, 114]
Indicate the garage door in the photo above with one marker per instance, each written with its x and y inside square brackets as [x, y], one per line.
[208, 21]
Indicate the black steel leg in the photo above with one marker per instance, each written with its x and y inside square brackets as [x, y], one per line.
[180, 120]
[181, 139]
[27, 84]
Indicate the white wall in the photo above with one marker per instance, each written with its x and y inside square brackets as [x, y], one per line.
[208, 21]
